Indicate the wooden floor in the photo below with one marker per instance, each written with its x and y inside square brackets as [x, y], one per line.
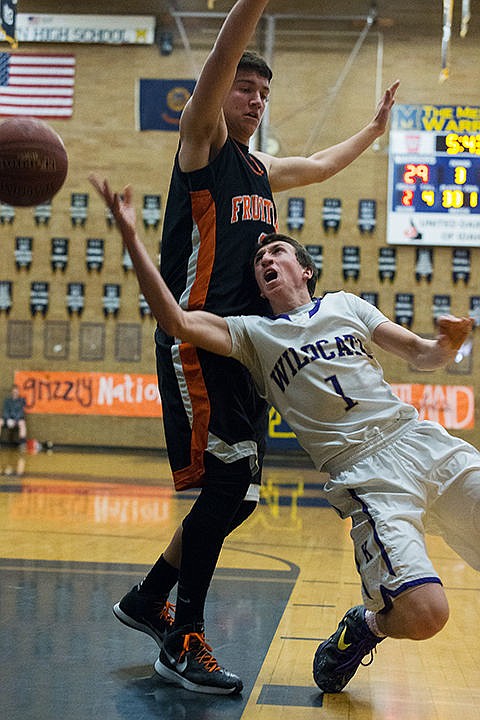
[78, 529]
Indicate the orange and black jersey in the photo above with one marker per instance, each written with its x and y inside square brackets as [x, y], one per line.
[213, 220]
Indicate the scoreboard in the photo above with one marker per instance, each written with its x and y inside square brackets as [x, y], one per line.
[434, 176]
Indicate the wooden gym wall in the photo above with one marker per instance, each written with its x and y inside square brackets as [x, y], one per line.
[102, 137]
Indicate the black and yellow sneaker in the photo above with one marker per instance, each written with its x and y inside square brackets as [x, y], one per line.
[338, 658]
[146, 613]
[186, 660]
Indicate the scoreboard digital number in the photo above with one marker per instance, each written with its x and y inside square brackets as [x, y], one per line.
[434, 176]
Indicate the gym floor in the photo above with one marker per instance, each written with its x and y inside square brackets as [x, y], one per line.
[78, 529]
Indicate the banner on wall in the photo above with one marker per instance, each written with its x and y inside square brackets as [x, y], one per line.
[90, 393]
[37, 85]
[8, 10]
[160, 103]
[92, 29]
[453, 406]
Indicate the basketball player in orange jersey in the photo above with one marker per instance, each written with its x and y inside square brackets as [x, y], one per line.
[219, 204]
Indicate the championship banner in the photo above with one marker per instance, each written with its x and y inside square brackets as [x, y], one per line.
[8, 10]
[89, 393]
[161, 102]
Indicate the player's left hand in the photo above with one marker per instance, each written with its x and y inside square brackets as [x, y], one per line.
[453, 331]
[120, 204]
[384, 107]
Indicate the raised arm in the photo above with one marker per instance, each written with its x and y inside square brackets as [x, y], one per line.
[202, 125]
[290, 172]
[422, 353]
[197, 327]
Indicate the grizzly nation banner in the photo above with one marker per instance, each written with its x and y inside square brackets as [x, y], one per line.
[89, 393]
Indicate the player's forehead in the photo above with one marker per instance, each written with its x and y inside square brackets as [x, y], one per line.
[251, 77]
[271, 247]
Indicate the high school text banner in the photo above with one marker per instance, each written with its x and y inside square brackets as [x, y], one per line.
[105, 29]
[89, 393]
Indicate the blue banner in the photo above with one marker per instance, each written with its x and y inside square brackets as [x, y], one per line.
[161, 103]
[8, 9]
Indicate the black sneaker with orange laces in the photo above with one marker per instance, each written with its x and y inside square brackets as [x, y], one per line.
[186, 660]
[338, 658]
[147, 613]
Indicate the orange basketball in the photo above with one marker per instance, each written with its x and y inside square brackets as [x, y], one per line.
[33, 162]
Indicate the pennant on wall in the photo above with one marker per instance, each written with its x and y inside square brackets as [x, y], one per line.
[95, 254]
[75, 297]
[151, 211]
[475, 308]
[59, 254]
[8, 9]
[37, 85]
[161, 103]
[351, 263]
[296, 213]
[7, 214]
[6, 295]
[316, 251]
[79, 208]
[23, 252]
[387, 263]
[371, 297]
[111, 299]
[441, 306]
[39, 292]
[332, 214]
[404, 309]
[461, 265]
[424, 264]
[367, 216]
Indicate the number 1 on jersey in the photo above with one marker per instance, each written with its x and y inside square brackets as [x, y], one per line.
[349, 403]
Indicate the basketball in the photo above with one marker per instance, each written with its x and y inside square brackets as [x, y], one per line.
[33, 162]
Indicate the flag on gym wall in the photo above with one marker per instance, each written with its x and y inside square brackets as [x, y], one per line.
[37, 85]
[160, 103]
[8, 9]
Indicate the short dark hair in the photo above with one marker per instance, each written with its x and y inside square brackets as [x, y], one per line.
[252, 61]
[301, 253]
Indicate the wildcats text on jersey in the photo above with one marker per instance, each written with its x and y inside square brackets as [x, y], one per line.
[291, 361]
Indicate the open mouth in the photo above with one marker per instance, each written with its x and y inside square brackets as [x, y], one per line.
[270, 275]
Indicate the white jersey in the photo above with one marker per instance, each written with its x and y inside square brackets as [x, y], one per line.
[316, 367]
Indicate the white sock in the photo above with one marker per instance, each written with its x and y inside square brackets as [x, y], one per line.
[371, 620]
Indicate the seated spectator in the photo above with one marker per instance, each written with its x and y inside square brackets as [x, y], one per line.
[13, 414]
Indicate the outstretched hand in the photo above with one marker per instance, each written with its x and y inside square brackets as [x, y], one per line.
[384, 107]
[121, 205]
[453, 331]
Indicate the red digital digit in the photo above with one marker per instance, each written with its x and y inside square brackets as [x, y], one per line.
[410, 174]
[407, 198]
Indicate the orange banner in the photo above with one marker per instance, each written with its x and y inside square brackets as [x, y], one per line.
[453, 406]
[90, 393]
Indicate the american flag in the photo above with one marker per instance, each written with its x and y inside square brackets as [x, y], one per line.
[36, 85]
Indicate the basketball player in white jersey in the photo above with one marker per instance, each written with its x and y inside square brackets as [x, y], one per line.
[390, 473]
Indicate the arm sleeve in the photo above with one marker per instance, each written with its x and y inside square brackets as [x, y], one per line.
[368, 313]
[242, 346]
